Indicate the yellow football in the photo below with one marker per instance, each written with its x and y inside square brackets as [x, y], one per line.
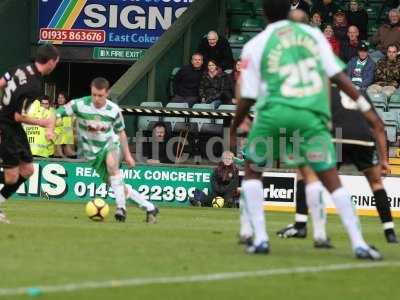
[218, 202]
[97, 209]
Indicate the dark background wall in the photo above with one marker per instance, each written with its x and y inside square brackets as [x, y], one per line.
[15, 31]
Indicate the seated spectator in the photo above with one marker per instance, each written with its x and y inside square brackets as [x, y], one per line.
[229, 89]
[387, 73]
[357, 16]
[156, 149]
[187, 80]
[335, 44]
[340, 26]
[387, 34]
[327, 8]
[300, 4]
[211, 85]
[225, 181]
[218, 49]
[349, 48]
[316, 19]
[64, 131]
[361, 69]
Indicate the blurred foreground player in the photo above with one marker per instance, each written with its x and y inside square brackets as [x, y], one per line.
[285, 71]
[358, 148]
[20, 86]
[102, 131]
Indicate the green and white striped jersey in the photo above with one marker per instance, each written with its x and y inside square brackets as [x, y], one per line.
[97, 127]
[289, 63]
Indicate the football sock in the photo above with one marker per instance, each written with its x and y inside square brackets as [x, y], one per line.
[347, 213]
[316, 204]
[118, 187]
[301, 205]
[383, 207]
[139, 199]
[254, 199]
[245, 226]
[9, 189]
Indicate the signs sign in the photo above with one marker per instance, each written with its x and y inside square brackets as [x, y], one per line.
[110, 23]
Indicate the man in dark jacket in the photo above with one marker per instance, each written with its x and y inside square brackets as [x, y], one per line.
[327, 8]
[388, 34]
[358, 17]
[187, 80]
[349, 48]
[216, 48]
[361, 69]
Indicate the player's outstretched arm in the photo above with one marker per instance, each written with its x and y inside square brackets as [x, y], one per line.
[125, 149]
[242, 110]
[345, 84]
[21, 118]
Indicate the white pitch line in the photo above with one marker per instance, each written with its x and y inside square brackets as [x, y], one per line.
[191, 278]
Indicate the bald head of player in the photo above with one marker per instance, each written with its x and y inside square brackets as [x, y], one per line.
[46, 59]
[298, 15]
[276, 10]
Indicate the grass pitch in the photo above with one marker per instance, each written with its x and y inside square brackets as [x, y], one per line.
[55, 244]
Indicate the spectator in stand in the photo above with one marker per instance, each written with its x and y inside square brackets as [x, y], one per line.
[349, 48]
[316, 19]
[156, 149]
[330, 36]
[357, 16]
[64, 139]
[211, 85]
[340, 26]
[230, 80]
[387, 34]
[361, 69]
[327, 8]
[187, 80]
[300, 4]
[225, 181]
[387, 73]
[218, 49]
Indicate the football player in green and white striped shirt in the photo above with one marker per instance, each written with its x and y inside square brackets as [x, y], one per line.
[102, 132]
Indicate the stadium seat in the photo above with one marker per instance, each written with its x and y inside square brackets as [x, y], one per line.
[151, 104]
[174, 120]
[390, 120]
[378, 97]
[201, 121]
[395, 98]
[253, 25]
[238, 40]
[144, 121]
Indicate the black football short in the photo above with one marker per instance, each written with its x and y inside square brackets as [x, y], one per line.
[14, 146]
[363, 157]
